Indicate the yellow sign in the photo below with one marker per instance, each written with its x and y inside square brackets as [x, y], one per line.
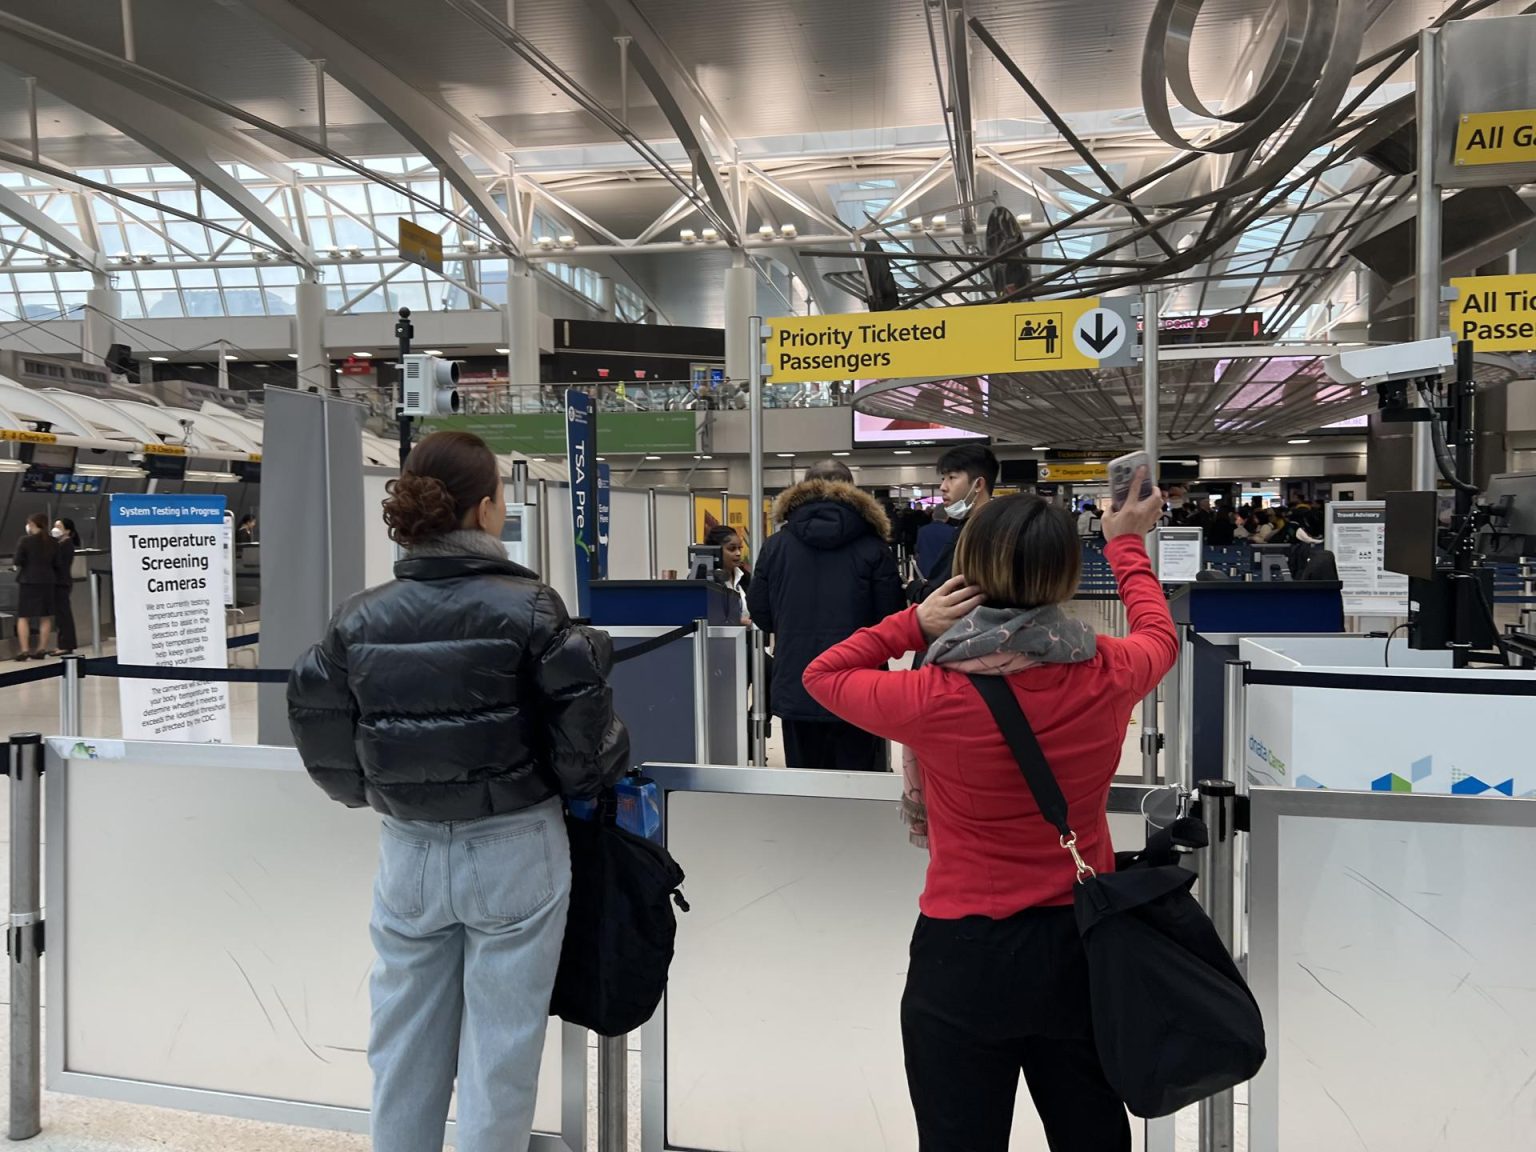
[1496, 138]
[23, 436]
[1496, 313]
[1034, 336]
[254, 457]
[164, 450]
[1055, 472]
[420, 245]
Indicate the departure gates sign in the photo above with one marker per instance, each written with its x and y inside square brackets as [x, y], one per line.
[1037, 336]
[1496, 138]
[1496, 313]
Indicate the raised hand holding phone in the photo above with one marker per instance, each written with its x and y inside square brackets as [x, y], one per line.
[1121, 471]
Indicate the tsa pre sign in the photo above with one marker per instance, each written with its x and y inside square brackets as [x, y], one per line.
[168, 589]
[1037, 336]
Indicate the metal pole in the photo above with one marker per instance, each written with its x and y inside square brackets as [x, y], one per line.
[69, 698]
[95, 578]
[1528, 584]
[1151, 740]
[519, 481]
[24, 938]
[129, 52]
[1426, 313]
[701, 692]
[543, 560]
[757, 332]
[613, 1094]
[1235, 725]
[1218, 804]
[652, 520]
[1184, 746]
[623, 43]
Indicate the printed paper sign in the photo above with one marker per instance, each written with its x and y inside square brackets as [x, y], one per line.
[168, 581]
[1357, 536]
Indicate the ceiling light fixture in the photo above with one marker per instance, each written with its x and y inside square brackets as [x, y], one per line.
[842, 453]
[503, 351]
[788, 231]
[653, 457]
[915, 224]
[939, 223]
[470, 246]
[335, 253]
[1299, 441]
[544, 242]
[766, 231]
[293, 355]
[159, 359]
[688, 235]
[709, 235]
[1041, 448]
[363, 355]
[567, 240]
[228, 357]
[903, 452]
[355, 252]
[786, 455]
[433, 352]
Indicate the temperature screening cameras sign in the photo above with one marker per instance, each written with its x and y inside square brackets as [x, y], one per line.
[1034, 336]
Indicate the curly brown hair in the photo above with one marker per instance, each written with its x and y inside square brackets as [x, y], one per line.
[446, 477]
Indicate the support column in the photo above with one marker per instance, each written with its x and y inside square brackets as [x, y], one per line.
[521, 325]
[102, 308]
[314, 366]
[1426, 315]
[605, 296]
[740, 303]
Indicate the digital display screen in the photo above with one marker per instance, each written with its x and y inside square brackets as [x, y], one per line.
[968, 395]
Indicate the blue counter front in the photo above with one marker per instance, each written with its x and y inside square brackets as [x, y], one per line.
[663, 603]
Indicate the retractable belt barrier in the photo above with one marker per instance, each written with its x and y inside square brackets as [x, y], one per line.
[1365, 682]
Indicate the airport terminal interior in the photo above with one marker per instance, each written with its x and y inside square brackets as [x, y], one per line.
[768, 313]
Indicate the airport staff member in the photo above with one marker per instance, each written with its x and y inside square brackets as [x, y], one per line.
[829, 573]
[460, 702]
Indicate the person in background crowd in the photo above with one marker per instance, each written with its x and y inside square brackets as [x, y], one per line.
[934, 539]
[1220, 527]
[1308, 543]
[733, 572]
[36, 580]
[827, 574]
[1090, 523]
[67, 540]
[246, 533]
[1242, 526]
[967, 476]
[1267, 526]
[461, 702]
[997, 982]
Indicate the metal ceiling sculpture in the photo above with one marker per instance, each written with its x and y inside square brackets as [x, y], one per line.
[1263, 156]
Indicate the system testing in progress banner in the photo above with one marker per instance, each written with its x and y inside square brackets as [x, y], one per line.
[168, 580]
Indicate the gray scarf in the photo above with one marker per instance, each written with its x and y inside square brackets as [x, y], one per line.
[460, 542]
[1010, 638]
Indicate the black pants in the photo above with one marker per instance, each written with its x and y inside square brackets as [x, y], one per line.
[64, 618]
[832, 745]
[986, 1000]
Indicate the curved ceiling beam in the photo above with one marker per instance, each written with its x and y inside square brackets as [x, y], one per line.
[429, 127]
[170, 132]
[29, 216]
[681, 101]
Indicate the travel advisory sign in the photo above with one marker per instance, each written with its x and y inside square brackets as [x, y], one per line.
[937, 343]
[168, 590]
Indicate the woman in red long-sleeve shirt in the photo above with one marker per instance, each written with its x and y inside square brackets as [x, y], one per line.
[998, 980]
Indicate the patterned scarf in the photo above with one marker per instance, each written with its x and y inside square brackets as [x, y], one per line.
[994, 642]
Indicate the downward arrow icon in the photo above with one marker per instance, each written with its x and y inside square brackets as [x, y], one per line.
[1098, 339]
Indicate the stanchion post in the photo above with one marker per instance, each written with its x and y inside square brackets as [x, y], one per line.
[653, 522]
[701, 692]
[1218, 804]
[543, 534]
[1528, 593]
[24, 937]
[1184, 749]
[757, 517]
[613, 1094]
[1151, 739]
[69, 698]
[95, 578]
[757, 644]
[1235, 725]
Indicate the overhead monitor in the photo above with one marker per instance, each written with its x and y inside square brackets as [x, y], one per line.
[968, 395]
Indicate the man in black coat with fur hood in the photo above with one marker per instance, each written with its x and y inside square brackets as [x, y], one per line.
[826, 573]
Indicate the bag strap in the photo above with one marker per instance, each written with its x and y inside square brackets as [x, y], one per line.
[1014, 725]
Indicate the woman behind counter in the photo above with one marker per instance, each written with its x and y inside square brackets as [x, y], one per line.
[64, 584]
[35, 580]
[733, 572]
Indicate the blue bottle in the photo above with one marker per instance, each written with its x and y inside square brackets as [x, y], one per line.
[639, 807]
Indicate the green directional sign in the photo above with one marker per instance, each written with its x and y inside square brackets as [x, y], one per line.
[543, 433]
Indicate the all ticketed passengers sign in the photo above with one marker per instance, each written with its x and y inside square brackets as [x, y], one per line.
[1034, 336]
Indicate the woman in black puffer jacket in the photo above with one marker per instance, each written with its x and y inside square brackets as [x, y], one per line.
[462, 703]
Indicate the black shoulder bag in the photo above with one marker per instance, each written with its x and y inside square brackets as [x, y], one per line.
[1173, 1020]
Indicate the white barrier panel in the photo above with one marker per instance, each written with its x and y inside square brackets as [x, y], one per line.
[781, 1029]
[208, 941]
[1392, 941]
[378, 548]
[629, 534]
[674, 530]
[1373, 739]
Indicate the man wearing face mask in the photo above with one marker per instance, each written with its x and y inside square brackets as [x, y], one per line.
[967, 476]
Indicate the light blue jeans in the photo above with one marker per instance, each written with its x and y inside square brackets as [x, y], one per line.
[468, 919]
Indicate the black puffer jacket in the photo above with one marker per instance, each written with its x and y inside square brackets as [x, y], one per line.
[827, 573]
[458, 691]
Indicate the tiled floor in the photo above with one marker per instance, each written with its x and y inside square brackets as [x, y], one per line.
[76, 1124]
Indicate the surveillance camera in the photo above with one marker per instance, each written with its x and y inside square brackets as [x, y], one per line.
[1392, 361]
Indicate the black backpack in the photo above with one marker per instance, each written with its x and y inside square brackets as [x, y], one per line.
[620, 930]
[1173, 1020]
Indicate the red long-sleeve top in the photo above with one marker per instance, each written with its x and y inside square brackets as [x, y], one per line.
[991, 852]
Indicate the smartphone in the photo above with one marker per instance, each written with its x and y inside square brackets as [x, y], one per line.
[1121, 471]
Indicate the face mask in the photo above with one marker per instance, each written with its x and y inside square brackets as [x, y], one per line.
[57, 533]
[962, 507]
